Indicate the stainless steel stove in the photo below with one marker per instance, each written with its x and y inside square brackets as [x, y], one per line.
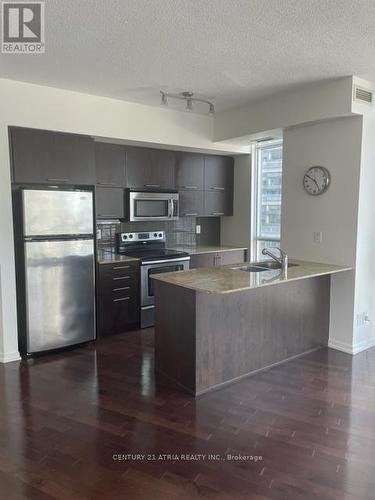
[155, 258]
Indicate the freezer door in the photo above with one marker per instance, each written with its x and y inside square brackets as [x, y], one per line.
[60, 294]
[53, 212]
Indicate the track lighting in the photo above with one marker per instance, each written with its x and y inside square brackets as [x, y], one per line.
[188, 97]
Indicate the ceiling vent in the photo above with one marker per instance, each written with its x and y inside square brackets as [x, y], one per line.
[363, 95]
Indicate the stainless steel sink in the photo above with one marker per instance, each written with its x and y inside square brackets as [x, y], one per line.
[250, 269]
[259, 267]
[272, 264]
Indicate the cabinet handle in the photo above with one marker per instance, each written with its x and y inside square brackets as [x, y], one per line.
[112, 216]
[63, 179]
[217, 188]
[217, 213]
[190, 187]
[152, 185]
[123, 298]
[190, 215]
[106, 183]
[120, 289]
[122, 278]
[121, 267]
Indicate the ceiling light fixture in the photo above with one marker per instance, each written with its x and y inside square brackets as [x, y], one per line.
[189, 98]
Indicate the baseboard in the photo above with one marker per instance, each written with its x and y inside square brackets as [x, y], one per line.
[350, 348]
[9, 357]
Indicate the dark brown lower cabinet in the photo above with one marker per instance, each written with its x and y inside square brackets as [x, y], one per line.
[214, 259]
[118, 297]
[191, 203]
[109, 203]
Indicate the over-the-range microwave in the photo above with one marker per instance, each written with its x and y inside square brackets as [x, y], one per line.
[151, 205]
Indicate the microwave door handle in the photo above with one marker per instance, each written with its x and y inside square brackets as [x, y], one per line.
[170, 208]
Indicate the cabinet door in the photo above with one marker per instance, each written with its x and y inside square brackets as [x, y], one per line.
[161, 172]
[109, 164]
[217, 203]
[218, 173]
[41, 156]
[191, 203]
[149, 168]
[231, 257]
[189, 172]
[109, 203]
[202, 260]
[137, 167]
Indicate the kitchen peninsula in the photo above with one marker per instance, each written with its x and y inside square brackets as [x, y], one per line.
[217, 325]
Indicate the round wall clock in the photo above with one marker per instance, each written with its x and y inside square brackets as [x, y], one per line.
[316, 180]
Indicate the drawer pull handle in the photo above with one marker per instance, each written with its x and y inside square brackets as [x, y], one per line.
[122, 278]
[121, 267]
[111, 216]
[122, 288]
[63, 179]
[189, 215]
[152, 185]
[217, 188]
[106, 184]
[217, 213]
[123, 298]
[190, 187]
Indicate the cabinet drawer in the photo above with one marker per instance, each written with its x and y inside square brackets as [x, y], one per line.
[118, 313]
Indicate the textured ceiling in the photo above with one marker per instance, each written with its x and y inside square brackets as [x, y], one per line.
[230, 51]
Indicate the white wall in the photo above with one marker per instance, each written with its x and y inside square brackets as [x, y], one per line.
[335, 144]
[27, 105]
[364, 333]
[321, 101]
[236, 230]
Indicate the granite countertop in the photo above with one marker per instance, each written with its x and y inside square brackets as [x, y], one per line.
[224, 279]
[200, 249]
[108, 256]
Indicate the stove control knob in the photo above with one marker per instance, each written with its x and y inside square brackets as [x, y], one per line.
[124, 237]
[130, 236]
[160, 235]
[155, 235]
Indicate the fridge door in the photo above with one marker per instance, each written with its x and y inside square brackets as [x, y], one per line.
[54, 212]
[60, 293]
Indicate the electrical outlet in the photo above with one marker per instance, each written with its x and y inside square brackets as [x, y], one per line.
[198, 229]
[318, 237]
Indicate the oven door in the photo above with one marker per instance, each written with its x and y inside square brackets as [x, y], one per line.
[157, 267]
[145, 206]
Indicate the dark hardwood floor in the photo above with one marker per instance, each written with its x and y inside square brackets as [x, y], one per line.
[63, 417]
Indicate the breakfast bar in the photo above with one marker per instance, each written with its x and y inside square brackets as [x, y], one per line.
[214, 326]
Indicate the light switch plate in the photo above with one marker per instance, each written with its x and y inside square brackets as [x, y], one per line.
[198, 229]
[318, 237]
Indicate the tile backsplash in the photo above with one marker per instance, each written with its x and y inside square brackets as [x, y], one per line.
[179, 232]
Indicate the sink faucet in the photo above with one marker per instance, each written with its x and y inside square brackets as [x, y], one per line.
[282, 260]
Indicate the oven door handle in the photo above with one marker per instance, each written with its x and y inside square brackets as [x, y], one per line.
[149, 263]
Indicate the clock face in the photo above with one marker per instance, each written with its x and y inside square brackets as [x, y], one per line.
[316, 180]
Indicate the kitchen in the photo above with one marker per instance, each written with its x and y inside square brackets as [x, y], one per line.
[154, 343]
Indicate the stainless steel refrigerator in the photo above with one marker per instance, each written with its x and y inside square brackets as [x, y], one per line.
[59, 264]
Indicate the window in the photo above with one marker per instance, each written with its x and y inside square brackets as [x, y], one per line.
[267, 197]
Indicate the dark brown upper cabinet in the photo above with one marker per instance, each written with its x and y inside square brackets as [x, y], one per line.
[189, 173]
[109, 164]
[149, 168]
[44, 157]
[109, 203]
[191, 203]
[217, 203]
[218, 173]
